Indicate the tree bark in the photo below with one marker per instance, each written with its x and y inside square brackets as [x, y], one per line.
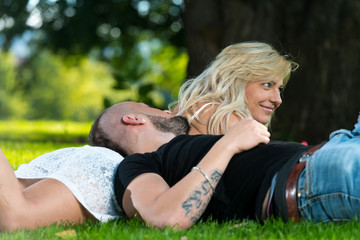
[322, 35]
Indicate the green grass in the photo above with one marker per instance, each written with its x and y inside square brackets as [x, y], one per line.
[134, 229]
[48, 131]
[20, 146]
[22, 141]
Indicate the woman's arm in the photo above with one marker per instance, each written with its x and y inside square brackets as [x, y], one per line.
[183, 204]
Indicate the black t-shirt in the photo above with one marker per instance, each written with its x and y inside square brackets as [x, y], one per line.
[243, 186]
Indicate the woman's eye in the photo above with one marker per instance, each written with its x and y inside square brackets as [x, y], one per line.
[267, 85]
[281, 89]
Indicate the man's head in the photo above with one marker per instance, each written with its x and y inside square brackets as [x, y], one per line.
[126, 125]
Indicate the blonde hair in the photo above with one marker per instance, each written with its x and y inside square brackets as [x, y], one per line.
[223, 82]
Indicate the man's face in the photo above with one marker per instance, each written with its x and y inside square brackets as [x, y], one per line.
[162, 120]
[177, 125]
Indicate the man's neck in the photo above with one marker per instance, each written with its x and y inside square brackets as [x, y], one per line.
[152, 143]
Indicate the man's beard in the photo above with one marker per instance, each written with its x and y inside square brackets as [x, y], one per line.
[177, 125]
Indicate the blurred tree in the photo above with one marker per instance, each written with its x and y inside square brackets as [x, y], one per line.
[11, 103]
[109, 30]
[162, 71]
[88, 82]
[47, 87]
[78, 26]
[323, 35]
[67, 87]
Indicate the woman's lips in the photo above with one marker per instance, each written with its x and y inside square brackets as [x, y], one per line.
[268, 109]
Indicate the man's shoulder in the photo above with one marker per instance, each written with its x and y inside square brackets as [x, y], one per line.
[192, 143]
[195, 138]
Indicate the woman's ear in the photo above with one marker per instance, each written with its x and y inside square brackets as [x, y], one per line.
[133, 119]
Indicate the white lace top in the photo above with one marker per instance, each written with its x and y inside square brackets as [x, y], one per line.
[87, 171]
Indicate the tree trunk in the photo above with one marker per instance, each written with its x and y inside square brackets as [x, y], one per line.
[322, 35]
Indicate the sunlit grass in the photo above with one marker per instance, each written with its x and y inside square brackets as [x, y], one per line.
[18, 152]
[53, 131]
[23, 141]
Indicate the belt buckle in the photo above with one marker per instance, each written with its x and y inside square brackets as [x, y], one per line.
[304, 158]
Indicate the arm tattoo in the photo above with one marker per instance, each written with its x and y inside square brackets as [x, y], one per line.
[215, 176]
[198, 200]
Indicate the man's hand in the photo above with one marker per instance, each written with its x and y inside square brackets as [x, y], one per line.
[244, 135]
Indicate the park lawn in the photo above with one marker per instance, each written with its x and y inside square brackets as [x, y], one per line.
[134, 229]
[20, 142]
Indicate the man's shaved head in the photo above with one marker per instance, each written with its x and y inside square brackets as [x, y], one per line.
[98, 137]
[108, 129]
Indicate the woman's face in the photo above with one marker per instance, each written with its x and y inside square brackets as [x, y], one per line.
[263, 98]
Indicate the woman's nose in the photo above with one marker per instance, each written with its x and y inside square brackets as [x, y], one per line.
[276, 97]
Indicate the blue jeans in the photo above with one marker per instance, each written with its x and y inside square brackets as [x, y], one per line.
[329, 186]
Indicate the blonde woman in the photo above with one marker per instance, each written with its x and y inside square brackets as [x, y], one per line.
[245, 79]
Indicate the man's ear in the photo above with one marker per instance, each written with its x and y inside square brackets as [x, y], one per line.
[133, 119]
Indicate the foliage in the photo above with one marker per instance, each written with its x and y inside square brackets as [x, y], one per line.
[81, 26]
[67, 87]
[51, 86]
[168, 70]
[74, 87]
[11, 103]
[161, 68]
[110, 31]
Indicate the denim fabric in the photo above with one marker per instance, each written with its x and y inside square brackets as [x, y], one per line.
[329, 186]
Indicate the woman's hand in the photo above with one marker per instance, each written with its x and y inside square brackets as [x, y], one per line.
[244, 135]
[183, 204]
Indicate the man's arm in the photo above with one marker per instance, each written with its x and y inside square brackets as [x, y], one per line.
[183, 204]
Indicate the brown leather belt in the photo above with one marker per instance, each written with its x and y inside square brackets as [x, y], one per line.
[292, 182]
